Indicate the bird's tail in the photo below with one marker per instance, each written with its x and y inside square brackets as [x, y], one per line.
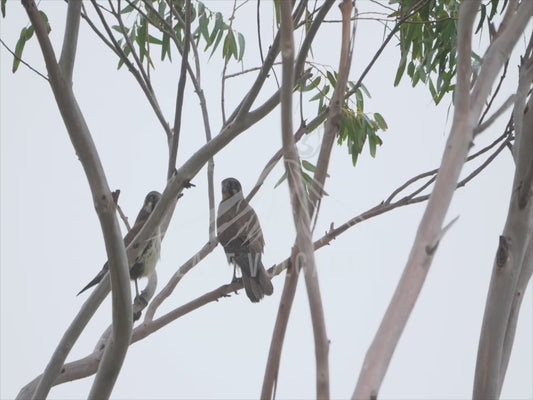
[96, 279]
[253, 289]
[255, 279]
[264, 281]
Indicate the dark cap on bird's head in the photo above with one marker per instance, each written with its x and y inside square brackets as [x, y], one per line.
[230, 187]
[152, 197]
[150, 201]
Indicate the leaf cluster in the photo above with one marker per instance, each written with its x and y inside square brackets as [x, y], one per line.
[25, 34]
[428, 43]
[356, 126]
[207, 26]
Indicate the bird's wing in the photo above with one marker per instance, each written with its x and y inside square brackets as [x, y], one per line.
[139, 223]
[250, 228]
[238, 227]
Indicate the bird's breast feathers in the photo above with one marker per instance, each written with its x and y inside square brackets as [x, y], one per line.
[151, 254]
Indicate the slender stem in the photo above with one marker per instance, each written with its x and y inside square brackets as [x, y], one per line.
[179, 97]
[22, 61]
[142, 83]
[299, 203]
[70, 40]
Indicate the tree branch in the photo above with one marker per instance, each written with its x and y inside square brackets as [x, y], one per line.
[70, 40]
[334, 119]
[299, 204]
[179, 97]
[380, 352]
[138, 77]
[511, 270]
[103, 201]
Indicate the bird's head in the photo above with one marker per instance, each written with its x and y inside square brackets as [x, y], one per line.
[150, 201]
[230, 187]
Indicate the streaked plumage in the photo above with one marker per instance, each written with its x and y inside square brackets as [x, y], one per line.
[240, 234]
[145, 263]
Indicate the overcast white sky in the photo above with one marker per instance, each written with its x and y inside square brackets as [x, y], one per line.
[51, 243]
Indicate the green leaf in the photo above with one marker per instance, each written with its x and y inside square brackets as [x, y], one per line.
[129, 8]
[359, 100]
[154, 40]
[19, 48]
[380, 121]
[240, 36]
[400, 71]
[280, 181]
[308, 166]
[44, 17]
[331, 78]
[230, 46]
[372, 145]
[219, 25]
[320, 94]
[3, 7]
[201, 7]
[203, 23]
[142, 33]
[165, 48]
[312, 85]
[127, 51]
[365, 91]
[278, 12]
[162, 7]
[411, 69]
[119, 29]
[217, 41]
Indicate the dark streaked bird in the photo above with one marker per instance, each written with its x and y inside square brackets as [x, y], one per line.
[145, 263]
[240, 234]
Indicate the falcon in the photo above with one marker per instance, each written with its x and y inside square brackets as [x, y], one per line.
[240, 234]
[145, 263]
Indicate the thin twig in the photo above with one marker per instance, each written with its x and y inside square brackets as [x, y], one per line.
[142, 83]
[23, 62]
[179, 96]
[227, 57]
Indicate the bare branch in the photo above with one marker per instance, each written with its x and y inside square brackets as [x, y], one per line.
[243, 108]
[511, 270]
[179, 97]
[334, 119]
[299, 204]
[103, 201]
[526, 270]
[280, 328]
[175, 279]
[508, 103]
[380, 352]
[142, 83]
[70, 40]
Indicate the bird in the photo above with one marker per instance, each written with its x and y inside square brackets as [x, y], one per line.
[239, 232]
[146, 261]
